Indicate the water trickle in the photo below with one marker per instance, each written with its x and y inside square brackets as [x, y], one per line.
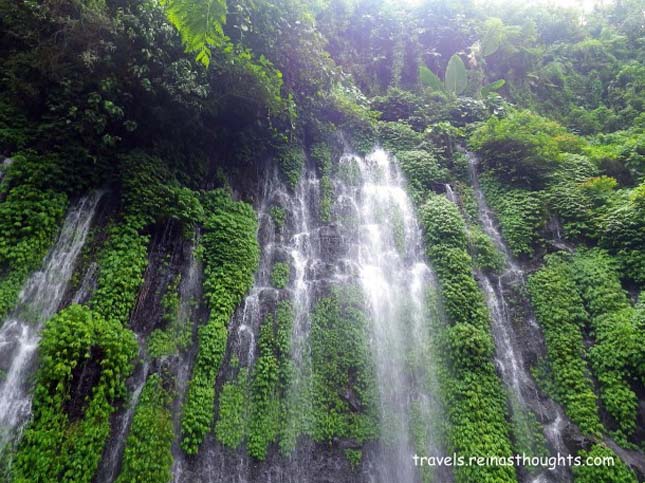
[38, 301]
[6, 162]
[525, 400]
[190, 295]
[113, 453]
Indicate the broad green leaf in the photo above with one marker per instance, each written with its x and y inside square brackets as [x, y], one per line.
[455, 75]
[493, 36]
[430, 79]
[493, 86]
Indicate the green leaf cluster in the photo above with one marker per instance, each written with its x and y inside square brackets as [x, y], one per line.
[30, 216]
[56, 446]
[562, 315]
[474, 397]
[231, 257]
[340, 358]
[148, 448]
[280, 274]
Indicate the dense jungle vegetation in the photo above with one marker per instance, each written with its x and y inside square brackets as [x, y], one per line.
[180, 108]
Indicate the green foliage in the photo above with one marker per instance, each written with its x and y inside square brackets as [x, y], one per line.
[621, 234]
[455, 80]
[230, 428]
[280, 274]
[430, 79]
[474, 397]
[272, 376]
[148, 449]
[617, 356]
[231, 257]
[30, 215]
[602, 472]
[354, 456]
[492, 87]
[321, 155]
[485, 254]
[122, 262]
[523, 147]
[151, 192]
[398, 136]
[279, 216]
[492, 37]
[562, 315]
[340, 359]
[520, 213]
[177, 334]
[56, 446]
[199, 23]
[291, 160]
[422, 171]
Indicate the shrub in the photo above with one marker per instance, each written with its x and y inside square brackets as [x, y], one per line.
[523, 147]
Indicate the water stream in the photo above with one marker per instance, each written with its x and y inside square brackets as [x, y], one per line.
[526, 403]
[38, 301]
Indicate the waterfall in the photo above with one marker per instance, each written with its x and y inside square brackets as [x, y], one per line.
[524, 397]
[372, 242]
[388, 255]
[38, 301]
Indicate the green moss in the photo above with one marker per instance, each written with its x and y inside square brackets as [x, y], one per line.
[54, 447]
[231, 257]
[280, 275]
[148, 449]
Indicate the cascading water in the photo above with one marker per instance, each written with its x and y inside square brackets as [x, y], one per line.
[388, 257]
[38, 301]
[373, 242]
[525, 400]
